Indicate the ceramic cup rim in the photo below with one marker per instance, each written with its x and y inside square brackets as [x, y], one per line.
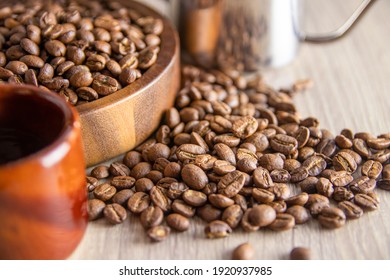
[71, 120]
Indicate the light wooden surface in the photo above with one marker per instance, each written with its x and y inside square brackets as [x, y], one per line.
[352, 84]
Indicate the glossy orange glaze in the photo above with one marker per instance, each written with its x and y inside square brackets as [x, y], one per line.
[42, 196]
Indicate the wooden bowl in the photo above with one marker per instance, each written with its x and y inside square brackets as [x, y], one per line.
[119, 122]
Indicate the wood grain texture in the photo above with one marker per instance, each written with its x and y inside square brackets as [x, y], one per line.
[112, 125]
[351, 89]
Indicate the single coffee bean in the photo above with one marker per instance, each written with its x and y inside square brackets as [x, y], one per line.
[244, 127]
[231, 183]
[332, 218]
[132, 158]
[115, 213]
[302, 136]
[138, 202]
[140, 170]
[263, 195]
[91, 183]
[220, 201]
[224, 152]
[360, 146]
[281, 191]
[194, 176]
[282, 222]
[327, 147]
[119, 169]
[81, 79]
[181, 207]
[189, 152]
[314, 198]
[378, 143]
[317, 207]
[372, 169]
[151, 217]
[244, 251]
[381, 156]
[209, 213]
[262, 178]
[342, 193]
[158, 233]
[17, 67]
[194, 198]
[55, 48]
[300, 253]
[222, 167]
[366, 202]
[148, 56]
[314, 165]
[232, 215]
[104, 85]
[324, 187]
[299, 174]
[300, 214]
[159, 198]
[95, 209]
[284, 144]
[104, 191]
[217, 229]
[343, 161]
[362, 184]
[340, 178]
[351, 210]
[343, 142]
[299, 199]
[280, 176]
[262, 215]
[271, 162]
[178, 222]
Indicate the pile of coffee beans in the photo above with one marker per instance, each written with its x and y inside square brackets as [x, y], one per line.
[236, 153]
[81, 49]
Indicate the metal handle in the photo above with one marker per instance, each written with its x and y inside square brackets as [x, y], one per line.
[342, 30]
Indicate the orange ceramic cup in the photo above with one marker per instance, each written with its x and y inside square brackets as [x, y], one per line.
[43, 213]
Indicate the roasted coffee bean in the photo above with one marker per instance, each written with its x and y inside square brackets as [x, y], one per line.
[17, 67]
[263, 195]
[231, 183]
[305, 153]
[232, 215]
[317, 207]
[176, 190]
[244, 127]
[301, 214]
[81, 79]
[332, 218]
[227, 139]
[327, 147]
[104, 85]
[173, 170]
[55, 48]
[378, 143]
[314, 198]
[280, 176]
[246, 223]
[159, 198]
[148, 56]
[343, 142]
[140, 170]
[281, 191]
[262, 178]
[302, 136]
[355, 155]
[217, 229]
[282, 222]
[220, 201]
[342, 193]
[300, 253]
[138, 202]
[372, 169]
[32, 61]
[119, 169]
[209, 213]
[194, 198]
[132, 158]
[314, 165]
[351, 210]
[104, 191]
[172, 117]
[291, 164]
[91, 183]
[284, 144]
[280, 206]
[340, 178]
[222, 167]
[362, 184]
[151, 217]
[382, 156]
[244, 251]
[308, 185]
[366, 202]
[224, 152]
[360, 146]
[194, 176]
[115, 213]
[262, 215]
[189, 152]
[95, 209]
[299, 199]
[122, 196]
[343, 161]
[324, 187]
[158, 233]
[178, 222]
[181, 207]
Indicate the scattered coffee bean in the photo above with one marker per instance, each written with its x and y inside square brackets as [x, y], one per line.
[300, 253]
[244, 251]
[115, 213]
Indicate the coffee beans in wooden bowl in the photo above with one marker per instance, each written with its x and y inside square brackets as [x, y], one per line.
[236, 153]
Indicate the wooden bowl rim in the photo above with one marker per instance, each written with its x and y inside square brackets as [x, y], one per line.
[168, 47]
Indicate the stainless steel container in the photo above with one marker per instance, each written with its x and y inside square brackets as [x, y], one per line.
[247, 34]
